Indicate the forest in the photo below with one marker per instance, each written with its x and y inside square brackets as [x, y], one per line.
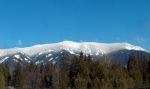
[78, 72]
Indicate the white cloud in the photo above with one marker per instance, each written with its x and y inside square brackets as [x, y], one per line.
[19, 42]
[140, 39]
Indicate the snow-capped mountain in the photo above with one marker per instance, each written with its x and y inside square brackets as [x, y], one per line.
[53, 52]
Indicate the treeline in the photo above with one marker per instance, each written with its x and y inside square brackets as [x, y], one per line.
[78, 73]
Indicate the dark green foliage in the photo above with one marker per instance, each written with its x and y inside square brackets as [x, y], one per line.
[18, 77]
[6, 72]
[79, 72]
[47, 75]
[2, 81]
[134, 72]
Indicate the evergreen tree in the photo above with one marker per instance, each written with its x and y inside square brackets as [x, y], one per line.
[78, 67]
[79, 72]
[2, 81]
[48, 75]
[148, 75]
[80, 83]
[38, 82]
[120, 78]
[134, 72]
[102, 76]
[19, 77]
[144, 70]
[6, 72]
[30, 76]
[96, 83]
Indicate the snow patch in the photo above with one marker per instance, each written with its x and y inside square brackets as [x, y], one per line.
[91, 48]
[27, 60]
[17, 56]
[71, 52]
[48, 55]
[40, 53]
[50, 59]
[50, 50]
[39, 62]
[56, 57]
[1, 61]
[15, 60]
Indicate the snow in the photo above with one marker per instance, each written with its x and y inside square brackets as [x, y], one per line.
[38, 62]
[40, 53]
[15, 60]
[56, 57]
[50, 59]
[27, 60]
[17, 56]
[50, 50]
[1, 61]
[72, 52]
[48, 55]
[91, 48]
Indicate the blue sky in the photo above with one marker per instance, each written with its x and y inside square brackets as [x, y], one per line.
[28, 22]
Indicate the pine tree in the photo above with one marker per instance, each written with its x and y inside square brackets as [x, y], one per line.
[102, 76]
[38, 82]
[120, 78]
[19, 77]
[96, 83]
[63, 72]
[148, 74]
[48, 75]
[80, 83]
[31, 72]
[2, 81]
[63, 80]
[6, 72]
[144, 70]
[134, 72]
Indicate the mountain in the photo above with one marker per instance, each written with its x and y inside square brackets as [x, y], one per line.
[55, 51]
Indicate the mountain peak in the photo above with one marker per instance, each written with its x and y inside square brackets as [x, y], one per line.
[54, 51]
[92, 48]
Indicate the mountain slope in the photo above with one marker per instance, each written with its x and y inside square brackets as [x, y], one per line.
[53, 52]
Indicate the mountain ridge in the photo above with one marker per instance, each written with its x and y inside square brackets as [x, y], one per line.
[54, 51]
[72, 46]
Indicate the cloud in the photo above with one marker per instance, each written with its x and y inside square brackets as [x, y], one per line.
[19, 42]
[140, 39]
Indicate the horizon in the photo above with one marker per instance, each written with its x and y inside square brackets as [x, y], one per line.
[80, 42]
[29, 22]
